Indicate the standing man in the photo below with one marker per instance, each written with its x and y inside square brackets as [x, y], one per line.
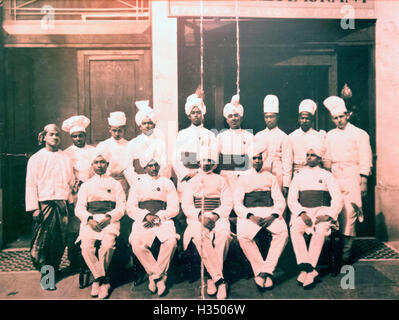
[207, 203]
[146, 120]
[101, 204]
[300, 138]
[278, 152]
[115, 148]
[234, 144]
[350, 158]
[315, 202]
[80, 155]
[49, 182]
[152, 204]
[259, 205]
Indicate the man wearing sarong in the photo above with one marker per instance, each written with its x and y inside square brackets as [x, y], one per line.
[101, 204]
[234, 144]
[152, 204]
[278, 153]
[300, 138]
[49, 182]
[207, 203]
[348, 153]
[146, 120]
[315, 201]
[259, 205]
[80, 155]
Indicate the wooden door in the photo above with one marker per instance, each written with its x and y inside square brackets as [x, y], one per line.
[111, 81]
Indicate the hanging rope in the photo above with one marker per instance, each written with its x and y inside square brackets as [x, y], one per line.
[202, 184]
[237, 48]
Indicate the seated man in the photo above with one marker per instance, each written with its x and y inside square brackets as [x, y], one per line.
[315, 200]
[101, 204]
[207, 203]
[152, 203]
[259, 204]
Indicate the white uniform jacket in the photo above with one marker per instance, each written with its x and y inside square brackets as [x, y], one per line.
[300, 143]
[278, 155]
[81, 161]
[117, 153]
[256, 181]
[49, 176]
[149, 188]
[207, 185]
[100, 188]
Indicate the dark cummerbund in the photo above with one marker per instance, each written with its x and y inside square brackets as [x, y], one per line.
[210, 204]
[100, 207]
[233, 162]
[189, 160]
[314, 198]
[258, 199]
[152, 205]
[137, 167]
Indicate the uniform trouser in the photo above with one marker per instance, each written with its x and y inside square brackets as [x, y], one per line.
[213, 250]
[319, 234]
[155, 268]
[98, 265]
[279, 240]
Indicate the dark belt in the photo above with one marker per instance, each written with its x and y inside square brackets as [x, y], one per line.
[137, 167]
[152, 205]
[210, 204]
[314, 198]
[258, 199]
[233, 162]
[100, 207]
[189, 160]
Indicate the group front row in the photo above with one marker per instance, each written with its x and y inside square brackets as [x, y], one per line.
[314, 199]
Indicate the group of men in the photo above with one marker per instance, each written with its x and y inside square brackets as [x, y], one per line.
[253, 178]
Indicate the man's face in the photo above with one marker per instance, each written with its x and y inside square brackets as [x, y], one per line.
[257, 162]
[312, 159]
[305, 120]
[208, 165]
[271, 120]
[100, 165]
[52, 138]
[195, 116]
[117, 132]
[341, 120]
[79, 139]
[234, 121]
[147, 126]
[152, 169]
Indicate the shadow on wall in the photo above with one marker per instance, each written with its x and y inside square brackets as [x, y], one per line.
[381, 227]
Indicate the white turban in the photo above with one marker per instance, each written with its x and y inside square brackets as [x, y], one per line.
[152, 153]
[256, 149]
[144, 111]
[335, 105]
[96, 153]
[75, 124]
[271, 104]
[117, 119]
[194, 101]
[233, 107]
[317, 146]
[308, 105]
[209, 153]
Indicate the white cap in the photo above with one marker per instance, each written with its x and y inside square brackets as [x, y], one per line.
[194, 101]
[270, 104]
[308, 105]
[75, 124]
[233, 107]
[335, 105]
[96, 153]
[117, 119]
[144, 111]
[317, 146]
